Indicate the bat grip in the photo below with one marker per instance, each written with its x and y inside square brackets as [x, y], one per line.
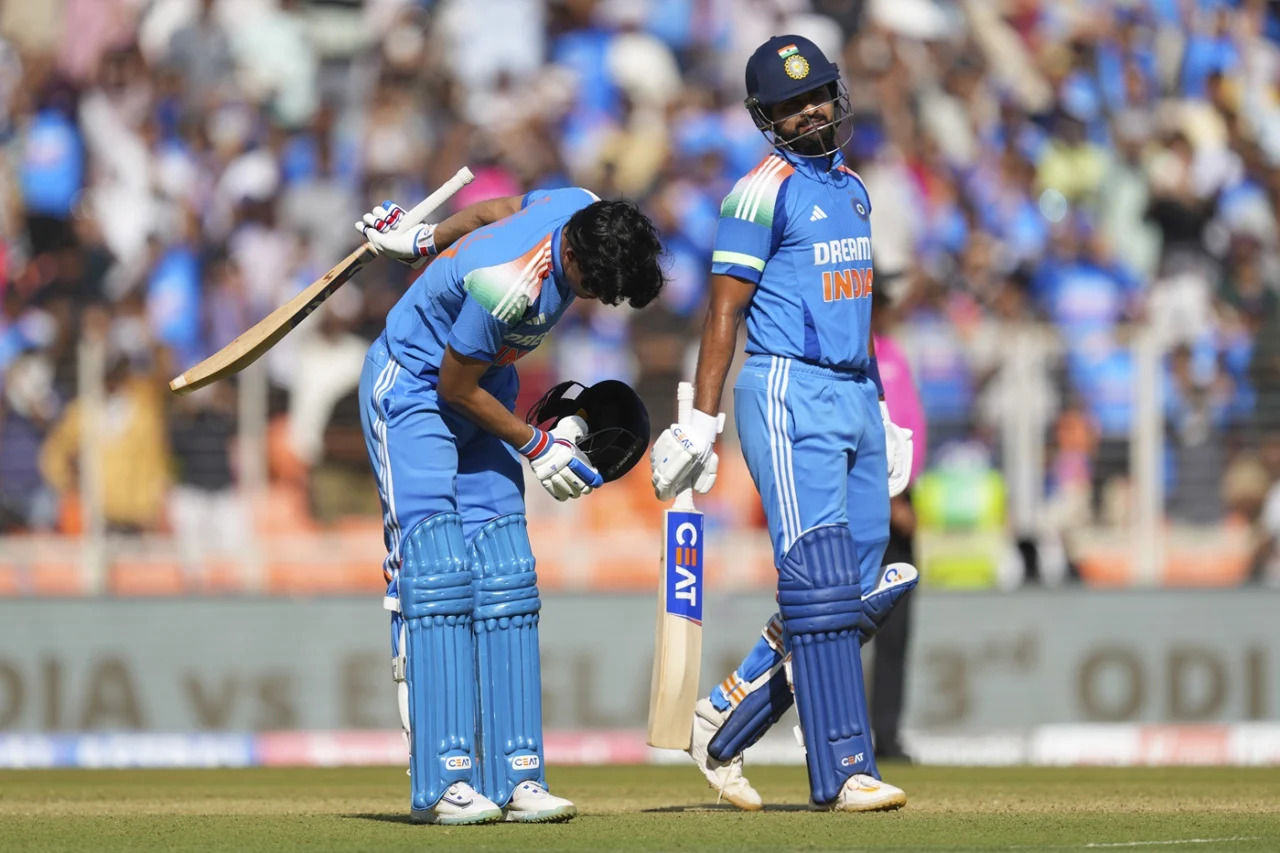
[428, 205]
[684, 402]
[684, 414]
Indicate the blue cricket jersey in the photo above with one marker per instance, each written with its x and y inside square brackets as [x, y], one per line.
[802, 234]
[492, 295]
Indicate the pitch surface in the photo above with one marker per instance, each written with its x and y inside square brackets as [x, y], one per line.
[646, 808]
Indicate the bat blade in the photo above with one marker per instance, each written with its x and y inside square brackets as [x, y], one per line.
[677, 656]
[267, 332]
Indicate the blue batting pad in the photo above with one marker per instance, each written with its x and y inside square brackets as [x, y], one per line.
[819, 596]
[505, 621]
[753, 716]
[896, 580]
[435, 601]
[756, 694]
[766, 654]
[754, 710]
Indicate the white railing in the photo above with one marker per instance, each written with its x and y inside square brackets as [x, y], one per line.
[1139, 538]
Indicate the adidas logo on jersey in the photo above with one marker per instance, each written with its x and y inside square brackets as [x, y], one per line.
[818, 213]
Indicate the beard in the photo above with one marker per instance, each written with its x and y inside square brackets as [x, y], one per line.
[812, 143]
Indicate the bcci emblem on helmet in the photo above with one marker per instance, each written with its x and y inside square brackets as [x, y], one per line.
[796, 66]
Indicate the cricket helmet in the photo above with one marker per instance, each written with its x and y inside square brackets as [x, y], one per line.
[617, 422]
[784, 67]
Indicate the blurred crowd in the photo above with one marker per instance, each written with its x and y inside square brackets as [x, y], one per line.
[174, 169]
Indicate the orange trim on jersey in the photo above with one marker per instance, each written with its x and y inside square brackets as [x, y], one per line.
[787, 168]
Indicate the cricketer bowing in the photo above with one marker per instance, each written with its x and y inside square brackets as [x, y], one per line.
[793, 255]
[437, 394]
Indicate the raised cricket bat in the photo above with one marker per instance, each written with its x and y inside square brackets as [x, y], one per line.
[677, 652]
[267, 332]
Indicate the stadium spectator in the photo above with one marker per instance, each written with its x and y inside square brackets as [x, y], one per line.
[130, 437]
[177, 169]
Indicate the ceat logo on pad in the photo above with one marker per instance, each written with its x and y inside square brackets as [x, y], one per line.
[524, 762]
[457, 762]
[892, 576]
[850, 760]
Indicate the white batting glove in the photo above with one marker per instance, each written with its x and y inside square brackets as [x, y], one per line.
[562, 469]
[683, 456]
[381, 227]
[899, 448]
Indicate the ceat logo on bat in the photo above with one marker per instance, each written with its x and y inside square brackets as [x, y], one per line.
[524, 762]
[457, 762]
[684, 565]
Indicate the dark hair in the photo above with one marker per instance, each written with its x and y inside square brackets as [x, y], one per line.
[618, 251]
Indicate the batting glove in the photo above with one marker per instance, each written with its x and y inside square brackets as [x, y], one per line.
[684, 456]
[562, 469]
[899, 448]
[381, 227]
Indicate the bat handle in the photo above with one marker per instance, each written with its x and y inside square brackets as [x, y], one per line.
[684, 402]
[684, 414]
[428, 205]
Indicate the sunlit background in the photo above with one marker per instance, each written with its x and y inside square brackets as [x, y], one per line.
[1074, 223]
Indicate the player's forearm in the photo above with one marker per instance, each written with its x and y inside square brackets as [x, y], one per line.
[484, 410]
[873, 368]
[730, 297]
[474, 216]
[715, 355]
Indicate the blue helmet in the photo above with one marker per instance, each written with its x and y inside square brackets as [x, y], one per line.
[786, 66]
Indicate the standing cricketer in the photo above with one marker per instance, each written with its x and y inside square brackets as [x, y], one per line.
[793, 255]
[437, 394]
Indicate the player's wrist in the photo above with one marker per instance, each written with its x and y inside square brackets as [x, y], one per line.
[873, 373]
[424, 242]
[537, 444]
[706, 427]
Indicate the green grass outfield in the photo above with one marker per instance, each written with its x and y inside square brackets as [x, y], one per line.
[645, 808]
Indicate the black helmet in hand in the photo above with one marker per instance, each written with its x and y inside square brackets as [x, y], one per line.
[617, 422]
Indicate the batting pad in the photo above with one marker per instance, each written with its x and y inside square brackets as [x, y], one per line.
[819, 596]
[505, 622]
[896, 580]
[763, 706]
[435, 601]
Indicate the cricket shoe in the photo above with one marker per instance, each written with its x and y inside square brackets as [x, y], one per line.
[461, 804]
[532, 803]
[863, 793]
[725, 777]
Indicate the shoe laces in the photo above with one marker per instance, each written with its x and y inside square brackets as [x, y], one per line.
[735, 768]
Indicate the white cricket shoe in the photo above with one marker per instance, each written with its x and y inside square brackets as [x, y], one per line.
[532, 803]
[863, 793]
[461, 804]
[725, 777]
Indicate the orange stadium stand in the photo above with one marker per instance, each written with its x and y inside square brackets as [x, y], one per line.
[607, 543]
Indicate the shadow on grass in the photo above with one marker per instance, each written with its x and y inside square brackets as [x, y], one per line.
[725, 808]
[383, 817]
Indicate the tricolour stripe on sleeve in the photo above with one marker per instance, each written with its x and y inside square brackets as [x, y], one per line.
[506, 290]
[754, 196]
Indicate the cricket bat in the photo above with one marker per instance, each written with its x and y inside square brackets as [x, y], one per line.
[267, 332]
[677, 653]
